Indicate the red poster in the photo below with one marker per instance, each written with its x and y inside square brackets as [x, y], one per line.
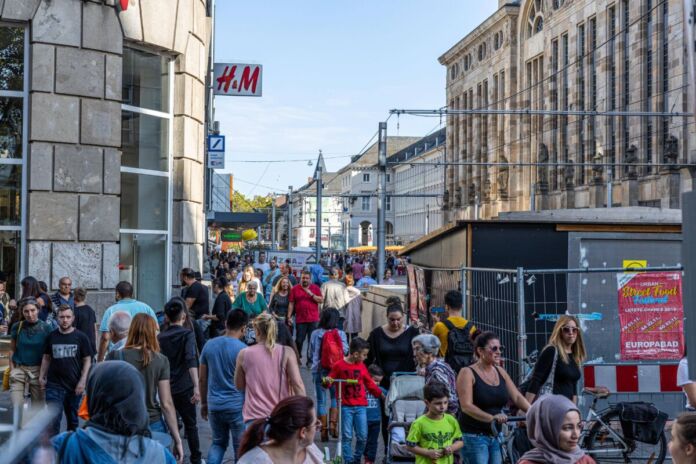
[651, 313]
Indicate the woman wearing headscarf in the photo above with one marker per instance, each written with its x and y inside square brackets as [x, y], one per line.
[117, 430]
[554, 426]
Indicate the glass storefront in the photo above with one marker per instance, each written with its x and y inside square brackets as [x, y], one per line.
[146, 175]
[13, 102]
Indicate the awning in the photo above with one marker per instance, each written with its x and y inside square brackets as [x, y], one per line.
[220, 219]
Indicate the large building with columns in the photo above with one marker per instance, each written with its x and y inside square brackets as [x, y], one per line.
[102, 113]
[575, 55]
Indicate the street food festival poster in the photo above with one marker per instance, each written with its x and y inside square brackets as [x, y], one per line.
[651, 313]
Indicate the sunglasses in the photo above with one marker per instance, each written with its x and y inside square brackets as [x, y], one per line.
[496, 349]
[570, 330]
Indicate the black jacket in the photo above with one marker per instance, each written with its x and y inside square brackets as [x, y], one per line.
[178, 344]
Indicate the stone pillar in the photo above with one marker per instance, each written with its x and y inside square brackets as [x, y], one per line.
[73, 157]
[597, 195]
[670, 188]
[630, 193]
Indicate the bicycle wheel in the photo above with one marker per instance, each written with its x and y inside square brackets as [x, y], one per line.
[604, 444]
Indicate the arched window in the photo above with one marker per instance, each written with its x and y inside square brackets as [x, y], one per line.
[535, 18]
[496, 43]
[557, 4]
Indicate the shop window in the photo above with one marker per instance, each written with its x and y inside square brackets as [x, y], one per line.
[146, 137]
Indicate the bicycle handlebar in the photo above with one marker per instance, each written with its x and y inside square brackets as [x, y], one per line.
[496, 427]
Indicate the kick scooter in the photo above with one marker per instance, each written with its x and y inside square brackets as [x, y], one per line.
[329, 381]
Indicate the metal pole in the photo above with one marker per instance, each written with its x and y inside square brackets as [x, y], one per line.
[521, 323]
[290, 218]
[273, 224]
[610, 186]
[462, 288]
[320, 187]
[381, 199]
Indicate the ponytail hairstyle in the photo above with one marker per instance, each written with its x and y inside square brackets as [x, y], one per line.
[266, 327]
[482, 340]
[290, 415]
[684, 429]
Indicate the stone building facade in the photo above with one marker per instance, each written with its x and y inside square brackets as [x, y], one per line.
[102, 113]
[576, 55]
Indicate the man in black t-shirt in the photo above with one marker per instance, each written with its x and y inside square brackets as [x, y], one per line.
[85, 318]
[64, 368]
[195, 294]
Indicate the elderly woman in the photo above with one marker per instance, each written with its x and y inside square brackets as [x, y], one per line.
[251, 301]
[554, 426]
[425, 349]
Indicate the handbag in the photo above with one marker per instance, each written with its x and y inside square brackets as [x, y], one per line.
[8, 370]
[547, 388]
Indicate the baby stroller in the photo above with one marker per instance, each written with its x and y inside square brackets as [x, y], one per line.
[404, 405]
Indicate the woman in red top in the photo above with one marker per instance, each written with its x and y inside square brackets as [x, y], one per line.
[554, 427]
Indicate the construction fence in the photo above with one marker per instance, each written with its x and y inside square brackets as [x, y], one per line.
[522, 306]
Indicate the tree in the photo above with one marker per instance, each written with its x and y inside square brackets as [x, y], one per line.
[242, 204]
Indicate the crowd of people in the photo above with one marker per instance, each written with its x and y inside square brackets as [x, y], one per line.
[139, 377]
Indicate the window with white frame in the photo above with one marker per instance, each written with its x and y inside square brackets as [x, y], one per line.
[366, 177]
[365, 203]
[13, 146]
[146, 165]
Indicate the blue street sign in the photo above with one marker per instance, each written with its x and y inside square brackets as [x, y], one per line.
[216, 143]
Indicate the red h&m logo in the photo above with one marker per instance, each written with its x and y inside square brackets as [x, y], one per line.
[237, 79]
[122, 5]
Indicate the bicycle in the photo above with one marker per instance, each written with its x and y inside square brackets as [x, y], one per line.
[602, 436]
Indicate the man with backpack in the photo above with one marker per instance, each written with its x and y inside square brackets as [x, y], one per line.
[456, 333]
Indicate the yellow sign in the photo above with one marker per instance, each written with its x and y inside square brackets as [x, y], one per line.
[635, 263]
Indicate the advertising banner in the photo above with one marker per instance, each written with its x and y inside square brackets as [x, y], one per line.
[651, 313]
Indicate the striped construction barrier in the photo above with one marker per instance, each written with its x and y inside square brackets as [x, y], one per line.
[633, 378]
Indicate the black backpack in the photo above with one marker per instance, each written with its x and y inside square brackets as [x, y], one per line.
[460, 349]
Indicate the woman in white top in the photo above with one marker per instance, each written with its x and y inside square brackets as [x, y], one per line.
[287, 435]
[686, 384]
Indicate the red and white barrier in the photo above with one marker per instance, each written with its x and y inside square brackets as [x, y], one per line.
[633, 378]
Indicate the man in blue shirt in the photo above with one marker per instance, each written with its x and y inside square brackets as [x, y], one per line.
[64, 295]
[221, 402]
[126, 303]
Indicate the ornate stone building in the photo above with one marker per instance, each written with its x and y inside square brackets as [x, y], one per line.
[576, 55]
[102, 112]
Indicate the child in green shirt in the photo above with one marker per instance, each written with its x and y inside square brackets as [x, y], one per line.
[435, 436]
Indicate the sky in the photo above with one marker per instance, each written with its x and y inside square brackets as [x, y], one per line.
[332, 70]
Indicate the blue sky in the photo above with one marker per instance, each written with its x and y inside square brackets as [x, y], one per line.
[332, 70]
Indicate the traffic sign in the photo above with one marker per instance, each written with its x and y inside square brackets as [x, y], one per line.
[216, 143]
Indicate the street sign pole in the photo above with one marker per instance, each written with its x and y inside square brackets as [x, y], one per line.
[273, 223]
[320, 186]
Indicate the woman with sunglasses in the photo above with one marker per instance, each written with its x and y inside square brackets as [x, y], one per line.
[557, 370]
[484, 389]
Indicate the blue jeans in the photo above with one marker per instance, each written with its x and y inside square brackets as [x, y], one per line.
[373, 429]
[222, 424]
[353, 418]
[481, 449]
[67, 402]
[159, 426]
[321, 392]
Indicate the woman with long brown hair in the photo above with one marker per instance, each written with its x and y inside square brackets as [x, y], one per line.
[248, 275]
[142, 352]
[267, 372]
[286, 435]
[280, 299]
[557, 370]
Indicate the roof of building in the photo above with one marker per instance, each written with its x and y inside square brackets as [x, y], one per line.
[434, 140]
[634, 216]
[368, 157]
[331, 182]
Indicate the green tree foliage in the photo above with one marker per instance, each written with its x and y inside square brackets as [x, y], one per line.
[242, 204]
